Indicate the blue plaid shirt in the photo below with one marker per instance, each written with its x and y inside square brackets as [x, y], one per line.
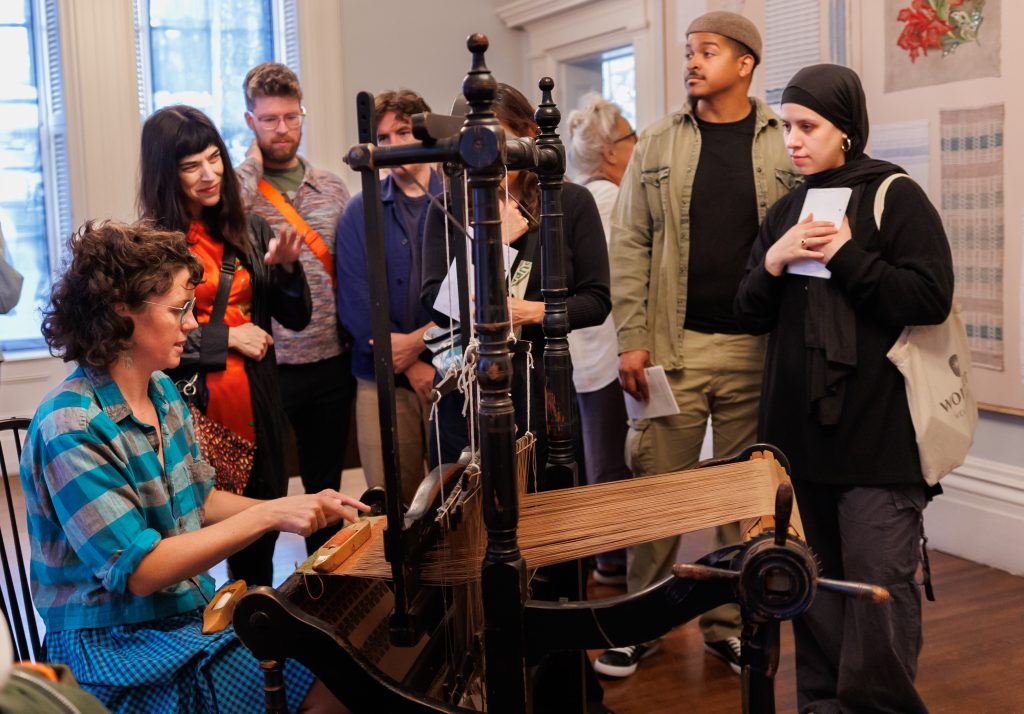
[98, 501]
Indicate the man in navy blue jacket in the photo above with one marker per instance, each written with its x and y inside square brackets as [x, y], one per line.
[405, 193]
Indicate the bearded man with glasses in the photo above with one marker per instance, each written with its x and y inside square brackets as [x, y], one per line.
[314, 364]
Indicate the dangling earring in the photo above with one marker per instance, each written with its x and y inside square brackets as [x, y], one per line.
[126, 356]
[847, 144]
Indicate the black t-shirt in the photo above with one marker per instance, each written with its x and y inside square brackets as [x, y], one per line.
[723, 224]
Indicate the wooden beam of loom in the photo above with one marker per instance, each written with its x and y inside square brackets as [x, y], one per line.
[563, 525]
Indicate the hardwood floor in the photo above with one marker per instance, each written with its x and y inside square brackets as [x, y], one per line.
[973, 657]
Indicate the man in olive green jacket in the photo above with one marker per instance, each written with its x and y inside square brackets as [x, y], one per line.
[698, 186]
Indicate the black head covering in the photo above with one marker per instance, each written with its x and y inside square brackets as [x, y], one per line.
[834, 92]
[830, 325]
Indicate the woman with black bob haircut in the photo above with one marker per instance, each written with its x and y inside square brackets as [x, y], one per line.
[123, 517]
[834, 403]
[187, 184]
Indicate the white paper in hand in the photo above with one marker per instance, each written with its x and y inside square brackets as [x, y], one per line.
[661, 403]
[447, 300]
[827, 204]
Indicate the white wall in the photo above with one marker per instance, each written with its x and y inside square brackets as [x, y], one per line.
[422, 46]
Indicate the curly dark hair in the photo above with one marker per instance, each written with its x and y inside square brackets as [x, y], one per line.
[168, 136]
[111, 263]
[270, 79]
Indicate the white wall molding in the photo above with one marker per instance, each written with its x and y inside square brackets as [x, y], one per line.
[519, 13]
[24, 381]
[980, 515]
[563, 30]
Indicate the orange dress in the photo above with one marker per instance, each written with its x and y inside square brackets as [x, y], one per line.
[230, 400]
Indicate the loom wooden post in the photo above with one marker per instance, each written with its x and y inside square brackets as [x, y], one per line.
[376, 266]
[561, 469]
[503, 578]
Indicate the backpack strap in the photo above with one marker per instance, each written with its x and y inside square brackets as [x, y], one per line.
[883, 188]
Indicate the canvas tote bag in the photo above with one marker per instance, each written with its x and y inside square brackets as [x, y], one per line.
[935, 361]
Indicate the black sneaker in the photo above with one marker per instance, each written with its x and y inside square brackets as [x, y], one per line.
[622, 661]
[727, 650]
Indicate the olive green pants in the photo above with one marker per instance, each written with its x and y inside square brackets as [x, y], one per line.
[721, 382]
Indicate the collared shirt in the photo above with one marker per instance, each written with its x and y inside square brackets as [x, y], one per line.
[98, 501]
[403, 281]
[320, 200]
[650, 243]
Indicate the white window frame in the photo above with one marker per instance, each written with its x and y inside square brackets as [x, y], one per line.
[53, 149]
[285, 39]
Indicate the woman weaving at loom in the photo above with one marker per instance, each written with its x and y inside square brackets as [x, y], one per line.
[832, 400]
[122, 515]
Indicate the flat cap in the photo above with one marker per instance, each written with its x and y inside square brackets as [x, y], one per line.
[731, 25]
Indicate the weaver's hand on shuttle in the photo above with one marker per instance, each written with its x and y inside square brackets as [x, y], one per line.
[308, 513]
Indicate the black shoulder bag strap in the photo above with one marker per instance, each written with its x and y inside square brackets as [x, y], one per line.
[194, 389]
[227, 277]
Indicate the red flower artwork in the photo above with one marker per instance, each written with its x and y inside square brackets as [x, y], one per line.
[923, 28]
[938, 24]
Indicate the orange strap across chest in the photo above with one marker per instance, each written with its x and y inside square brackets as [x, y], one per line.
[312, 238]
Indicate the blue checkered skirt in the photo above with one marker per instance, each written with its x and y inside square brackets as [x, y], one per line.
[169, 666]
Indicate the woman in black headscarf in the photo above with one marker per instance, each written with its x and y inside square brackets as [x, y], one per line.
[834, 403]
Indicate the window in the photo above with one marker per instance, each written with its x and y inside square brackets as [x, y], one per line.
[618, 80]
[35, 210]
[612, 74]
[197, 52]
[792, 40]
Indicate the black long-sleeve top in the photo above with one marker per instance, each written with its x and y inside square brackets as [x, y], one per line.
[588, 302]
[586, 258]
[897, 276]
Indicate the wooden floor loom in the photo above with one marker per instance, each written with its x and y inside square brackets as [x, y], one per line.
[428, 616]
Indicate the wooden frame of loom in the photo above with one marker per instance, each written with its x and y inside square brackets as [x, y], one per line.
[386, 657]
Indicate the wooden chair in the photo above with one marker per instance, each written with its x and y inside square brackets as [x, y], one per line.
[17, 600]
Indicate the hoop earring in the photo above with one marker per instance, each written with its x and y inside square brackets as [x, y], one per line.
[846, 145]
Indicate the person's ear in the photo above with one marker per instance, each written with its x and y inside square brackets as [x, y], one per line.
[608, 153]
[249, 122]
[746, 65]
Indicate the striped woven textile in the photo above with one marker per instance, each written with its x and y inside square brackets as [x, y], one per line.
[972, 211]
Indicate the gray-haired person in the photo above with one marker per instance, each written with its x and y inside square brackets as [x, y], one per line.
[600, 142]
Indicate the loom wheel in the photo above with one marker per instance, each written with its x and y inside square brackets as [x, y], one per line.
[776, 579]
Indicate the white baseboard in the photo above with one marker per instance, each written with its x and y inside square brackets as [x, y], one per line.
[980, 515]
